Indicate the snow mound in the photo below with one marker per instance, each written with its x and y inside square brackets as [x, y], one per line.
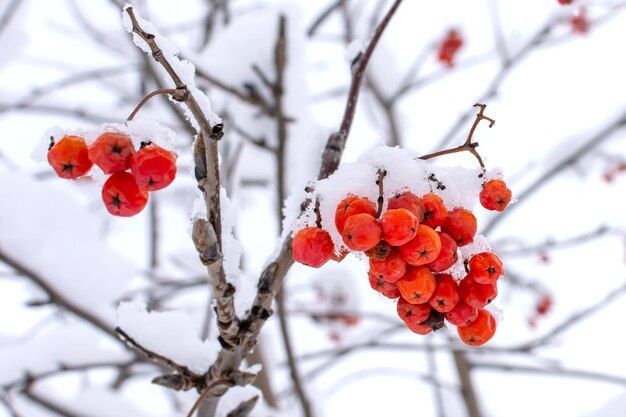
[172, 334]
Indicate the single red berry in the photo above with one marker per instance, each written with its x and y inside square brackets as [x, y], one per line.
[446, 294]
[380, 251]
[69, 157]
[417, 285]
[312, 246]
[410, 202]
[580, 22]
[362, 232]
[495, 195]
[350, 206]
[154, 167]
[423, 248]
[479, 331]
[475, 294]
[419, 328]
[413, 313]
[461, 225]
[447, 256]
[391, 269]
[112, 152]
[565, 1]
[399, 226]
[449, 47]
[122, 195]
[486, 267]
[435, 212]
[387, 289]
[462, 314]
[544, 305]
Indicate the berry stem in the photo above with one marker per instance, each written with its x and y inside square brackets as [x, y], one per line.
[160, 91]
[469, 145]
[381, 199]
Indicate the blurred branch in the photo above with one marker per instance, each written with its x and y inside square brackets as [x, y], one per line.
[69, 81]
[31, 378]
[566, 162]
[557, 371]
[9, 13]
[573, 320]
[56, 297]
[50, 406]
[498, 33]
[323, 16]
[277, 88]
[552, 243]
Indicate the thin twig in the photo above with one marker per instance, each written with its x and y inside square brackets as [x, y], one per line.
[469, 145]
[169, 91]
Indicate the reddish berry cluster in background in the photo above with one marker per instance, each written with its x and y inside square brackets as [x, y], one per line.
[410, 246]
[449, 48]
[124, 193]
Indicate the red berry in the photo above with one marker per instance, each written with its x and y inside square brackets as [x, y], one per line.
[579, 22]
[462, 314]
[312, 246]
[435, 212]
[461, 226]
[447, 256]
[350, 206]
[495, 195]
[399, 226]
[391, 269]
[449, 47]
[413, 313]
[380, 251]
[419, 328]
[475, 294]
[112, 152]
[544, 305]
[362, 232]
[566, 1]
[387, 289]
[446, 294]
[69, 157]
[486, 268]
[410, 202]
[417, 285]
[154, 167]
[122, 195]
[423, 248]
[479, 331]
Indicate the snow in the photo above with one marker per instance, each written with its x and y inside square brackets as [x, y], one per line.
[405, 172]
[58, 239]
[184, 68]
[67, 343]
[173, 334]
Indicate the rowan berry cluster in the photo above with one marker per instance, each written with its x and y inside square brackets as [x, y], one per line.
[449, 48]
[410, 247]
[132, 173]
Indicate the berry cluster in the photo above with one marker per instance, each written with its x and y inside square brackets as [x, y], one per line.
[410, 247]
[133, 173]
[449, 47]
